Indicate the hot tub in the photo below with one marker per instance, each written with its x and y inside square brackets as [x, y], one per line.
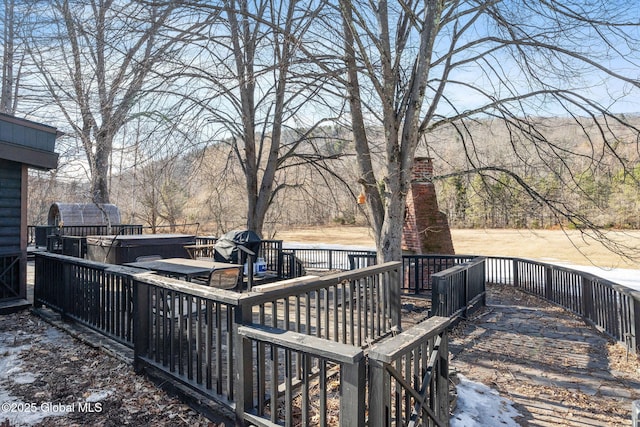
[122, 249]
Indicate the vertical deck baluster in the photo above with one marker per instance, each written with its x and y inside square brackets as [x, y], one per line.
[307, 313]
[172, 333]
[368, 309]
[196, 314]
[288, 392]
[105, 308]
[181, 331]
[274, 314]
[273, 398]
[318, 312]
[230, 342]
[189, 342]
[260, 373]
[208, 344]
[287, 314]
[336, 336]
[345, 302]
[397, 395]
[327, 309]
[218, 348]
[407, 377]
[306, 376]
[323, 392]
[298, 329]
[157, 316]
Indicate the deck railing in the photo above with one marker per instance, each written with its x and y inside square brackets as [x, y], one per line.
[216, 341]
[186, 331]
[38, 234]
[610, 307]
[297, 379]
[271, 251]
[409, 377]
[418, 270]
[190, 333]
[355, 307]
[613, 308]
[280, 262]
[94, 294]
[326, 259]
[458, 289]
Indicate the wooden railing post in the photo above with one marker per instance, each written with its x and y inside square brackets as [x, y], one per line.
[395, 299]
[38, 281]
[635, 324]
[467, 297]
[548, 283]
[280, 259]
[587, 297]
[443, 377]
[418, 266]
[67, 284]
[141, 314]
[435, 296]
[439, 300]
[243, 395]
[352, 403]
[484, 283]
[379, 394]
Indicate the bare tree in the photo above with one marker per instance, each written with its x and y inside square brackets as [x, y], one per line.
[260, 92]
[100, 62]
[163, 193]
[6, 96]
[13, 54]
[415, 66]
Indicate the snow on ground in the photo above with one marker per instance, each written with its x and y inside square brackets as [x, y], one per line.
[12, 409]
[481, 406]
[621, 276]
[296, 245]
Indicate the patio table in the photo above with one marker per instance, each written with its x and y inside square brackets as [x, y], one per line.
[182, 267]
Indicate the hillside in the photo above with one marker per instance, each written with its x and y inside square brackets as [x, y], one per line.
[566, 171]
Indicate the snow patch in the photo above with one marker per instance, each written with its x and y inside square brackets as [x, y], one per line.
[98, 395]
[481, 406]
[24, 378]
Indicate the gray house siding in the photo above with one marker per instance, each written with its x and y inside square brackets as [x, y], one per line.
[12, 259]
[26, 133]
[23, 144]
[10, 206]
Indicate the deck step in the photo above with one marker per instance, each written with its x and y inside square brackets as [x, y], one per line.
[14, 305]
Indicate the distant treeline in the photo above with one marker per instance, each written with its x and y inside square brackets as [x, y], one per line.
[206, 186]
[609, 199]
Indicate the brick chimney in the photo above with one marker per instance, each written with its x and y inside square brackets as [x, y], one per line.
[426, 229]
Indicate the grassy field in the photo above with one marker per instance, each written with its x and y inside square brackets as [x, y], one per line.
[545, 245]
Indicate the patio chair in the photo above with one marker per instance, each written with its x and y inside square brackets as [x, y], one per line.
[226, 278]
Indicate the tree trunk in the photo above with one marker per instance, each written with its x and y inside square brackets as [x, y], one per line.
[6, 97]
[100, 169]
